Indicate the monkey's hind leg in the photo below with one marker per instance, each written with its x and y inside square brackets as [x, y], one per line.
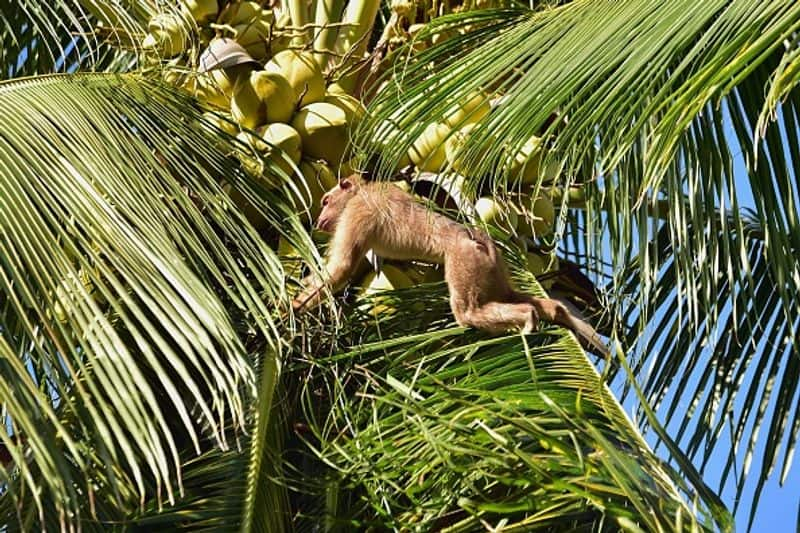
[498, 317]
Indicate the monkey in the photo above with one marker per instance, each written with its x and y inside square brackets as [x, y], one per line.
[380, 216]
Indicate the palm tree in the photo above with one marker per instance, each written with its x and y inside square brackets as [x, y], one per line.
[151, 377]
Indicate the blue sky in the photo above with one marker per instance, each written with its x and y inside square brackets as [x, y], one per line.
[778, 506]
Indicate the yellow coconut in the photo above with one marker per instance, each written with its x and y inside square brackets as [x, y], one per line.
[240, 13]
[302, 72]
[417, 44]
[353, 109]
[262, 97]
[246, 107]
[495, 213]
[166, 35]
[544, 216]
[275, 93]
[335, 88]
[290, 258]
[215, 87]
[201, 11]
[254, 37]
[389, 278]
[287, 139]
[455, 143]
[472, 110]
[318, 179]
[323, 128]
[428, 151]
[524, 165]
[221, 123]
[386, 137]
[225, 78]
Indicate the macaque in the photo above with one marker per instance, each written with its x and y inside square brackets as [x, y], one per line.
[386, 219]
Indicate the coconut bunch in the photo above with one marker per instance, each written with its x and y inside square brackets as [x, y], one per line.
[284, 80]
[272, 97]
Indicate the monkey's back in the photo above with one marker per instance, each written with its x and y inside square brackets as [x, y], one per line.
[402, 228]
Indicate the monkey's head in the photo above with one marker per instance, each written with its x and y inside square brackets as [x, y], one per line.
[335, 200]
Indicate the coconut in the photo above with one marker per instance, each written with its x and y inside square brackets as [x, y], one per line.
[275, 93]
[254, 37]
[247, 209]
[455, 143]
[221, 123]
[389, 278]
[290, 258]
[544, 216]
[240, 13]
[353, 109]
[428, 151]
[474, 109]
[166, 35]
[386, 137]
[335, 88]
[323, 128]
[287, 139]
[497, 214]
[403, 185]
[537, 264]
[302, 72]
[246, 107]
[524, 165]
[318, 178]
[215, 87]
[201, 11]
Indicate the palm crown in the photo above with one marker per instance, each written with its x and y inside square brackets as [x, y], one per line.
[153, 375]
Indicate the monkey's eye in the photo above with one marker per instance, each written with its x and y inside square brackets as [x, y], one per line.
[325, 201]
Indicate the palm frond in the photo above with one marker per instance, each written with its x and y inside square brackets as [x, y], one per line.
[131, 288]
[64, 36]
[659, 99]
[422, 424]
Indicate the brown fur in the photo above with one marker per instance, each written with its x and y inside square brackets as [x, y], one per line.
[388, 220]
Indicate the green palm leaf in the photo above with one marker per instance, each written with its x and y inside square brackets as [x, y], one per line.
[439, 428]
[659, 97]
[131, 288]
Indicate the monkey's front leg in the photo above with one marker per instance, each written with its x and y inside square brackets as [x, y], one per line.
[341, 264]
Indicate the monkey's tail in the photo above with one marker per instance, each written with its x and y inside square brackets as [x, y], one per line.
[564, 313]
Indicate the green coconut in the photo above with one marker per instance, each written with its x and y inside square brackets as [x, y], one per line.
[323, 128]
[497, 214]
[318, 179]
[287, 139]
[354, 110]
[428, 151]
[202, 11]
[544, 216]
[303, 74]
[166, 36]
[240, 13]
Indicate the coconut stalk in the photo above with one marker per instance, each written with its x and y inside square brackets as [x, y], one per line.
[298, 12]
[329, 12]
[353, 40]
